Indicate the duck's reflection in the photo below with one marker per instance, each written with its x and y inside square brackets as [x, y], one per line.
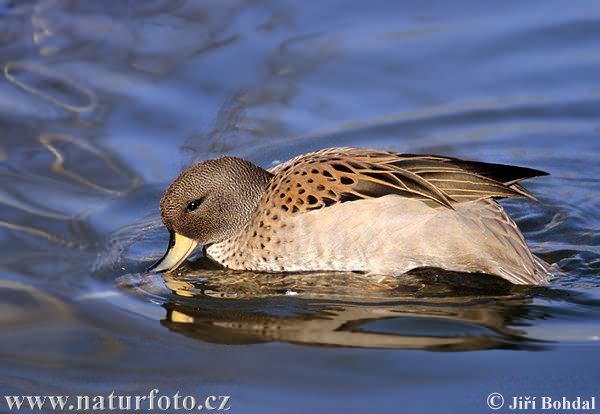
[347, 309]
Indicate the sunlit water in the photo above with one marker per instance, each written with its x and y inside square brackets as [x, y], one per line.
[103, 103]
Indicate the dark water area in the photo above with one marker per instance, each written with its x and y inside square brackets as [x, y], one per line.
[102, 104]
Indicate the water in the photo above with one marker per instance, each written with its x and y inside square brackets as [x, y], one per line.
[103, 103]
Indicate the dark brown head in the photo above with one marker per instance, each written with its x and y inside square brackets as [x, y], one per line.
[208, 203]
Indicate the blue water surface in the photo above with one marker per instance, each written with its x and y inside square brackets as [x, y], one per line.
[102, 104]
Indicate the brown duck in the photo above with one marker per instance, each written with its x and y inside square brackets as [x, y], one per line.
[350, 209]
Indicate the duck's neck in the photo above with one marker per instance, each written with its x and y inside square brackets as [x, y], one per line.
[252, 190]
[250, 186]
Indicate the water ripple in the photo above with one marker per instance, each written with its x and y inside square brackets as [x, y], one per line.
[68, 93]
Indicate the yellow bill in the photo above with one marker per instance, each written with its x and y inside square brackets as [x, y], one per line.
[180, 247]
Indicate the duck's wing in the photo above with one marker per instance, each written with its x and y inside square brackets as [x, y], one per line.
[470, 180]
[338, 175]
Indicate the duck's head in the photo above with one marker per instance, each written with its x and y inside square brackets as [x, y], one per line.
[208, 203]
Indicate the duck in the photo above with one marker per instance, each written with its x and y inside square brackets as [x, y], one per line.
[352, 210]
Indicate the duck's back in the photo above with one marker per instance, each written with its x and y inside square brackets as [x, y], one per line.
[379, 212]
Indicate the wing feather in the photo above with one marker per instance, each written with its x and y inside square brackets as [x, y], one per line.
[338, 175]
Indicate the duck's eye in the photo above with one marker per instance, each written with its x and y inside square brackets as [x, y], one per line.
[193, 205]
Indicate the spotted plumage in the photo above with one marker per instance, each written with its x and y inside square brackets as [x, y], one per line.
[352, 209]
[338, 175]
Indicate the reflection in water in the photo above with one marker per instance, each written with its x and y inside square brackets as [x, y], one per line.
[426, 309]
[45, 189]
[413, 326]
[109, 165]
[49, 80]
